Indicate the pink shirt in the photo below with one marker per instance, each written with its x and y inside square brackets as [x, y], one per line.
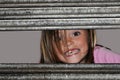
[103, 55]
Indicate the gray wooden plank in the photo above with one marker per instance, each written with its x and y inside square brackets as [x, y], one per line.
[59, 71]
[60, 22]
[77, 4]
[34, 1]
[60, 76]
[59, 10]
[38, 28]
[64, 16]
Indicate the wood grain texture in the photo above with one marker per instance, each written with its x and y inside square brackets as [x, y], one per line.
[59, 71]
[59, 14]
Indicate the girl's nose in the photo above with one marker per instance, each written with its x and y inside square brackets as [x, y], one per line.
[69, 42]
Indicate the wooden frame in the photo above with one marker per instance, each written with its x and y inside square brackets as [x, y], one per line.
[17, 15]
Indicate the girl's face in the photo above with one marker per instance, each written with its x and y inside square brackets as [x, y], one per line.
[74, 46]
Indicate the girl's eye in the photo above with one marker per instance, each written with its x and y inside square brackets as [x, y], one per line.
[77, 33]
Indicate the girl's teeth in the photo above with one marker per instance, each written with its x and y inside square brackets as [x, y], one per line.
[69, 53]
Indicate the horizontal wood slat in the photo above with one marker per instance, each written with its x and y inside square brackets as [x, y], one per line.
[48, 1]
[60, 22]
[59, 71]
[98, 4]
[59, 10]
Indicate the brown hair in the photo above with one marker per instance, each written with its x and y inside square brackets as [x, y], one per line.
[47, 51]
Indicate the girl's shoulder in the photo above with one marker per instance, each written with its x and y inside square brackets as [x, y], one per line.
[105, 55]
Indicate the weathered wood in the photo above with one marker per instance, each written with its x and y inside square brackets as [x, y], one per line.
[64, 16]
[59, 17]
[60, 22]
[59, 14]
[59, 71]
[82, 4]
[34, 1]
[59, 11]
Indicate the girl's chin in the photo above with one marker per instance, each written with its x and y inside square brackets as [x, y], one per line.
[77, 61]
[73, 59]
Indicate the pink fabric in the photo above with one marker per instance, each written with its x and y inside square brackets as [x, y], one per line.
[103, 55]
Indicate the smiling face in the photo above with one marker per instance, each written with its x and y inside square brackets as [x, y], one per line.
[74, 46]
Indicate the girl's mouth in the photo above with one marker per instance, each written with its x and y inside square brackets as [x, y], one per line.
[71, 52]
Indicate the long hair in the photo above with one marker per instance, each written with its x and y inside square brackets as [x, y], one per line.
[48, 54]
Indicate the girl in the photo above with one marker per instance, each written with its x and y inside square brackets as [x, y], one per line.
[74, 46]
